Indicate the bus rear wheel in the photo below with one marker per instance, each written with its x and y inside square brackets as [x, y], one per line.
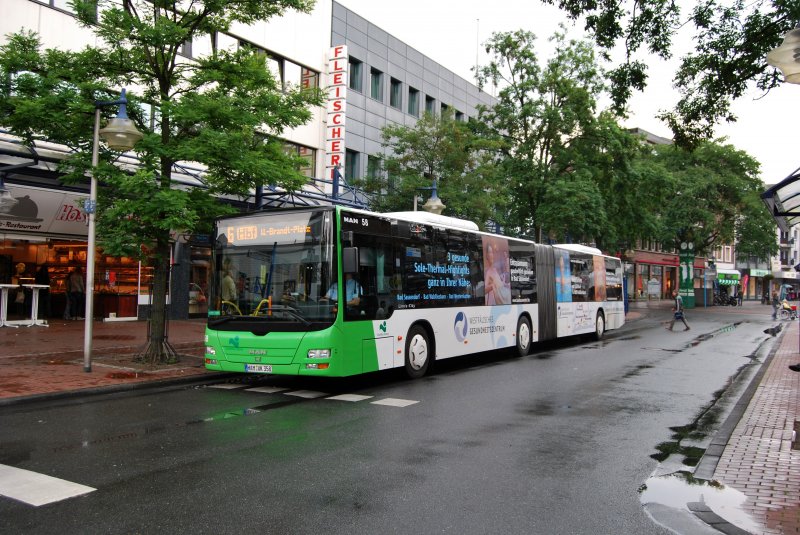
[599, 326]
[523, 336]
[418, 352]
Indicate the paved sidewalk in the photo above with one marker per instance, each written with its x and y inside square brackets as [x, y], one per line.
[759, 459]
[44, 362]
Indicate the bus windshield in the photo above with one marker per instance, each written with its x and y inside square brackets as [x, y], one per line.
[274, 267]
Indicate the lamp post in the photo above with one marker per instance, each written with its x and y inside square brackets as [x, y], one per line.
[121, 135]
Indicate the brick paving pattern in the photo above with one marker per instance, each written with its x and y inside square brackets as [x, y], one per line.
[36, 361]
[759, 460]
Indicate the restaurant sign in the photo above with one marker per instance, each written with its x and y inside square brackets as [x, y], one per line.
[27, 209]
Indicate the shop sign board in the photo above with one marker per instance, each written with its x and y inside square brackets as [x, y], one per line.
[32, 210]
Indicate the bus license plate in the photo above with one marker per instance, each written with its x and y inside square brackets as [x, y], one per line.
[258, 368]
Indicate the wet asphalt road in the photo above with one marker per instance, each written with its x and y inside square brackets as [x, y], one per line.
[558, 442]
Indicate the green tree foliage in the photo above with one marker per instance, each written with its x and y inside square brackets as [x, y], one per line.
[223, 112]
[712, 197]
[547, 119]
[731, 40]
[445, 149]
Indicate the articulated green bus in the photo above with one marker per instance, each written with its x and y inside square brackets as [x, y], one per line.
[417, 288]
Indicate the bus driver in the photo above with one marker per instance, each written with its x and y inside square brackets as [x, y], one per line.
[352, 291]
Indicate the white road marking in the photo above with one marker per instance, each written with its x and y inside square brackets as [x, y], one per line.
[227, 386]
[349, 397]
[267, 389]
[394, 402]
[308, 394]
[37, 489]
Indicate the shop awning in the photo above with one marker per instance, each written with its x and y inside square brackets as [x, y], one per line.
[728, 277]
[783, 201]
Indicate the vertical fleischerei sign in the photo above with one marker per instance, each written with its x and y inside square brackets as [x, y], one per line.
[337, 107]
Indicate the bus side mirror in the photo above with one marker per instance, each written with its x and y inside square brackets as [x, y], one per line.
[350, 260]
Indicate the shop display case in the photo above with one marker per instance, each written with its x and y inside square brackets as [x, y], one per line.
[117, 282]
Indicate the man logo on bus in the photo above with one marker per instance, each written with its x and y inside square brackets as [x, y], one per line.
[460, 326]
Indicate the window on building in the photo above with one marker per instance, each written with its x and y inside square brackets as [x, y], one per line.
[275, 68]
[728, 254]
[460, 116]
[64, 5]
[376, 84]
[413, 102]
[223, 41]
[430, 105]
[373, 167]
[351, 168]
[445, 107]
[356, 74]
[287, 74]
[395, 93]
[309, 79]
[307, 156]
[186, 48]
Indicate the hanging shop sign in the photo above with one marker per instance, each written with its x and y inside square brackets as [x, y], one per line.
[31, 210]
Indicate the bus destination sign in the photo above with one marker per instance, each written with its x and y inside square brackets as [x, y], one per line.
[265, 233]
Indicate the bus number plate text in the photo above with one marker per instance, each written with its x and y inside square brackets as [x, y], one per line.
[258, 368]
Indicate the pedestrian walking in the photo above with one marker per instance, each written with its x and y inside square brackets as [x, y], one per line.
[76, 293]
[677, 311]
[775, 304]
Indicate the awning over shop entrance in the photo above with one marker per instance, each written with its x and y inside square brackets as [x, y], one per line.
[783, 201]
[728, 277]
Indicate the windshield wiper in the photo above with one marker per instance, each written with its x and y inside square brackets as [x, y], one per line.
[291, 311]
[275, 309]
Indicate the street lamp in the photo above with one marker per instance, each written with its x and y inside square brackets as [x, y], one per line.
[120, 135]
[434, 205]
[787, 56]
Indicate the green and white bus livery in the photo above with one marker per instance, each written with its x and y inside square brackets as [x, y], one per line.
[417, 287]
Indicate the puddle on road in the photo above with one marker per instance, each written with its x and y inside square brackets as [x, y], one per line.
[678, 489]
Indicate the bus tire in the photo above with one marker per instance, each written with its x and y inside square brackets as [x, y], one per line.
[599, 326]
[418, 352]
[523, 336]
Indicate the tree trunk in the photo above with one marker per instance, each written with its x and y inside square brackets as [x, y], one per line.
[158, 349]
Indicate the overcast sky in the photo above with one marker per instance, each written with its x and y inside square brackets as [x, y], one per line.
[448, 31]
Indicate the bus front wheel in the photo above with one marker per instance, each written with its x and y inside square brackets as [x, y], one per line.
[599, 326]
[523, 336]
[418, 352]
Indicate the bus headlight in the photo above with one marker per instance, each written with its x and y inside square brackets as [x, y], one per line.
[319, 353]
[210, 350]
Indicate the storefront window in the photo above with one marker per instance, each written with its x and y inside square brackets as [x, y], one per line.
[118, 282]
[641, 280]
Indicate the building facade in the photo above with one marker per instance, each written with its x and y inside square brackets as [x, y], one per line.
[380, 80]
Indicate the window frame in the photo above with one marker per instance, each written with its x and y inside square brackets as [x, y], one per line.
[376, 84]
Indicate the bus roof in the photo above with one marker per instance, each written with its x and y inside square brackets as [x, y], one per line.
[579, 248]
[433, 219]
